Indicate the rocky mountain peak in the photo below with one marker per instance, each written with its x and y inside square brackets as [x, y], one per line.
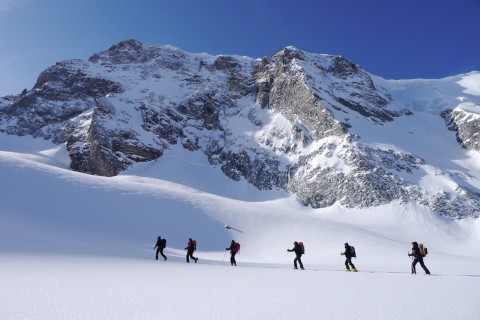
[293, 121]
[288, 54]
[127, 45]
[344, 68]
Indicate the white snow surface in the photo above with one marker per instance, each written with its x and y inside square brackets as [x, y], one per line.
[77, 246]
[471, 83]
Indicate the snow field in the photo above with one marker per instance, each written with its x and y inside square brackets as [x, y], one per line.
[75, 246]
[74, 287]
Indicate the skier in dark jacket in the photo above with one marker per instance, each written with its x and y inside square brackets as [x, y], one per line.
[234, 247]
[348, 258]
[417, 257]
[298, 252]
[160, 246]
[190, 248]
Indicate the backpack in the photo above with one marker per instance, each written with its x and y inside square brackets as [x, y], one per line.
[423, 250]
[352, 251]
[300, 244]
[236, 247]
[194, 245]
[164, 243]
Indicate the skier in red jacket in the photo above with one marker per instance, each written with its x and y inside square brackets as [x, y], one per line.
[191, 246]
[234, 248]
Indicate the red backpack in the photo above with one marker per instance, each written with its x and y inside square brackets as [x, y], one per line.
[236, 247]
[300, 244]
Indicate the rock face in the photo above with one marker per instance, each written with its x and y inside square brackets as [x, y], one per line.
[466, 125]
[291, 121]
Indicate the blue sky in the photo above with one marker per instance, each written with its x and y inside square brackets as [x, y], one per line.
[400, 39]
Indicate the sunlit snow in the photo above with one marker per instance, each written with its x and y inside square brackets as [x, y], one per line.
[76, 246]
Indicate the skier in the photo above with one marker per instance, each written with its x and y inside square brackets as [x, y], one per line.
[161, 244]
[191, 246]
[349, 254]
[298, 249]
[417, 258]
[234, 248]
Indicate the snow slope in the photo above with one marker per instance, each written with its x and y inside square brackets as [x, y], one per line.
[76, 246]
[425, 133]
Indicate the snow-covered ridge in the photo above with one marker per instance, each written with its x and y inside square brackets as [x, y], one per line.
[316, 125]
[470, 109]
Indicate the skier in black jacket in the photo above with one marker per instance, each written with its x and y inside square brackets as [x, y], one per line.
[417, 258]
[234, 247]
[298, 252]
[348, 258]
[160, 246]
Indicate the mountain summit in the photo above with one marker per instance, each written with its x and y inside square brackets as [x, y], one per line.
[316, 125]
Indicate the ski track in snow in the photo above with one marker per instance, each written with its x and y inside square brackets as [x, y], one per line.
[78, 288]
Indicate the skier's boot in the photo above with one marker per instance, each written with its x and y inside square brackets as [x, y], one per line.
[165, 259]
[354, 270]
[196, 260]
[348, 270]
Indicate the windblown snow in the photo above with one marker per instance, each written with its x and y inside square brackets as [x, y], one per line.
[77, 246]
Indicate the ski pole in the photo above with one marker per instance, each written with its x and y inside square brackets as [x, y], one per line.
[284, 260]
[224, 253]
[339, 259]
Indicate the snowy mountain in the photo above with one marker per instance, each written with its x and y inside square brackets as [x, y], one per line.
[317, 126]
[180, 145]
